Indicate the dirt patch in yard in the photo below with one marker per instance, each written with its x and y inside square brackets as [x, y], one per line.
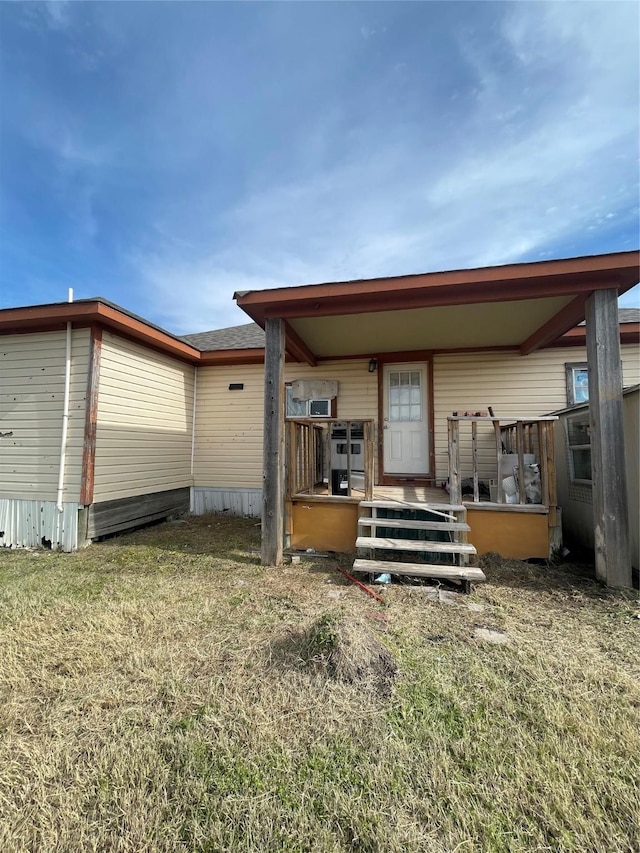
[346, 650]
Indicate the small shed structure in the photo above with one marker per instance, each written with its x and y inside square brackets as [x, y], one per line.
[574, 472]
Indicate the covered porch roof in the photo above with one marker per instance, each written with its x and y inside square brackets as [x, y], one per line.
[525, 306]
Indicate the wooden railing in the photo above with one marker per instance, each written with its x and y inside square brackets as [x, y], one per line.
[522, 438]
[309, 472]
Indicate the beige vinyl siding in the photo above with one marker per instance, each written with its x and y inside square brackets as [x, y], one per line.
[32, 373]
[357, 388]
[228, 450]
[143, 433]
[515, 386]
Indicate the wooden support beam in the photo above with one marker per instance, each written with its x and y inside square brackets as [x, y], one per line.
[455, 484]
[273, 444]
[369, 434]
[297, 348]
[522, 498]
[498, 437]
[542, 455]
[564, 320]
[551, 464]
[610, 506]
[91, 417]
[474, 458]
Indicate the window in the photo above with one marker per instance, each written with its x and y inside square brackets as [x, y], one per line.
[308, 408]
[579, 444]
[577, 383]
[405, 399]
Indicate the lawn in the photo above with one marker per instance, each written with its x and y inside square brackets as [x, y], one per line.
[161, 691]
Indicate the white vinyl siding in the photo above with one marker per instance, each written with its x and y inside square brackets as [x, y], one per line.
[228, 452]
[143, 434]
[514, 386]
[32, 371]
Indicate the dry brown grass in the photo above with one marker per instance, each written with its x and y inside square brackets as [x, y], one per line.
[157, 696]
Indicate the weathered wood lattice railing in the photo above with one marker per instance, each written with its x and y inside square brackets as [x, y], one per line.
[521, 438]
[309, 455]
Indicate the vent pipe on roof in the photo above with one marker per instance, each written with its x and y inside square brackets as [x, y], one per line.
[70, 299]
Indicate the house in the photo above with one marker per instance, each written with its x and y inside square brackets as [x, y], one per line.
[96, 420]
[442, 343]
[155, 423]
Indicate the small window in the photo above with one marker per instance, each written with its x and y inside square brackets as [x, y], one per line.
[309, 408]
[579, 444]
[577, 383]
[319, 408]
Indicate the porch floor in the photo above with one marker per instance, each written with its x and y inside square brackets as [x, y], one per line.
[410, 494]
[425, 494]
[434, 495]
[402, 494]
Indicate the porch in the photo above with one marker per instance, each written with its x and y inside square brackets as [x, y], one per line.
[401, 323]
[334, 504]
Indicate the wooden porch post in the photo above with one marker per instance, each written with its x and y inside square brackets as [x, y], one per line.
[273, 443]
[610, 509]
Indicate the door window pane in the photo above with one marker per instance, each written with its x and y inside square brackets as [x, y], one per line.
[405, 395]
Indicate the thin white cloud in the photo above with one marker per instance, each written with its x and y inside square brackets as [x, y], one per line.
[195, 295]
[59, 13]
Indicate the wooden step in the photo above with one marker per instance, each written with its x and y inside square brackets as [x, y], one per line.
[425, 545]
[424, 507]
[420, 570]
[413, 524]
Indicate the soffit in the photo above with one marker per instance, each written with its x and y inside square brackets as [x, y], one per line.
[446, 327]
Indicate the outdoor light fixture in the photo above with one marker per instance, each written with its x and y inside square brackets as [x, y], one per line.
[373, 365]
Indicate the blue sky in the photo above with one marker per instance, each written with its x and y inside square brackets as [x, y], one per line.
[164, 155]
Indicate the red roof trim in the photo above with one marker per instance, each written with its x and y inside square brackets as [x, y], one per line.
[488, 284]
[45, 317]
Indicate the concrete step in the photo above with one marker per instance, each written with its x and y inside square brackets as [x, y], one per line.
[424, 545]
[421, 570]
[413, 524]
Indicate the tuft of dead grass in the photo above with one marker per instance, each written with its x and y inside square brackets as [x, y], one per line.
[164, 692]
[346, 650]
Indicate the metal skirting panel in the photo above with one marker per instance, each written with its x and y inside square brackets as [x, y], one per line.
[32, 524]
[235, 501]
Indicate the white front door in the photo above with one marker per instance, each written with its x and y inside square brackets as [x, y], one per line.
[405, 419]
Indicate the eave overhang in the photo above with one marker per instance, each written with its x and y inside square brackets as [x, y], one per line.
[94, 312]
[565, 283]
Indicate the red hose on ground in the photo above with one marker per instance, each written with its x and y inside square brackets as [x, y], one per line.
[361, 585]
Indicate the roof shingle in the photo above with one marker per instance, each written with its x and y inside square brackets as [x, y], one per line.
[247, 336]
